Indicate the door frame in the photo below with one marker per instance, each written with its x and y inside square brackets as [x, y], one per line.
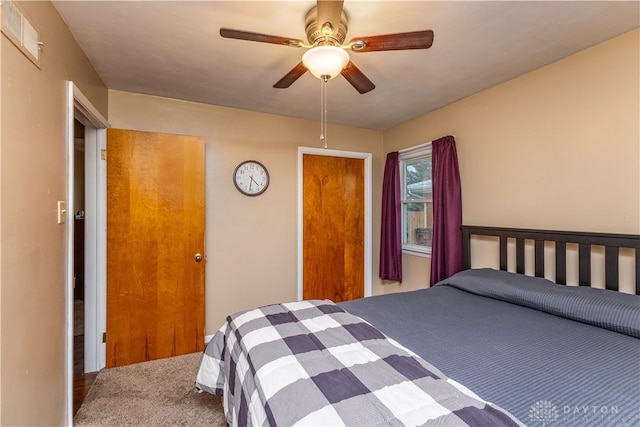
[367, 158]
[79, 107]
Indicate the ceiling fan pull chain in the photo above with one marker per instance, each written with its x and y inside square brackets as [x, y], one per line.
[322, 138]
[325, 83]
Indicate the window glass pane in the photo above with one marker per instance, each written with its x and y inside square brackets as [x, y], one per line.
[418, 179]
[417, 217]
[417, 201]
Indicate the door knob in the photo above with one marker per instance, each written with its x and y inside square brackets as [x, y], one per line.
[198, 257]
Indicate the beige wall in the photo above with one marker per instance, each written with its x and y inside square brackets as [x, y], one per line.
[32, 165]
[251, 241]
[557, 148]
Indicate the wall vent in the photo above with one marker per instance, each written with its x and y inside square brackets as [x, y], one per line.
[20, 31]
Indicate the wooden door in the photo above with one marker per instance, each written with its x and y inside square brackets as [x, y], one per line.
[333, 228]
[155, 228]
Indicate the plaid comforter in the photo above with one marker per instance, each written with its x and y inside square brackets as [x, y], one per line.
[312, 363]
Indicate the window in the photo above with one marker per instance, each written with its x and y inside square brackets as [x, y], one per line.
[417, 200]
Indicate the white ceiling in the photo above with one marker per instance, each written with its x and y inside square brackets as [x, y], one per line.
[173, 49]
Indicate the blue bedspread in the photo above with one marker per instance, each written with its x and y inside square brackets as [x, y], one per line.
[502, 335]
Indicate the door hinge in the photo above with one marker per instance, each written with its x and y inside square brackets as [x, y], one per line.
[104, 337]
[103, 154]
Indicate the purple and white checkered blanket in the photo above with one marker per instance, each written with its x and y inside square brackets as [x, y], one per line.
[312, 363]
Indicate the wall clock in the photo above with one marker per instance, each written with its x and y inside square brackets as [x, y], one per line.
[251, 178]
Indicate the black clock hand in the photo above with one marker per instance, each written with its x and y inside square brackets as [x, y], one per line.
[251, 177]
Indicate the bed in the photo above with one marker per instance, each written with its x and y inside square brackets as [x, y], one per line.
[487, 346]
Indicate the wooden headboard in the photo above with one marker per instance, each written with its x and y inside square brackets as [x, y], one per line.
[612, 243]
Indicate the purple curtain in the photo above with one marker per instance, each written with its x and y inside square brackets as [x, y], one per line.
[446, 249]
[391, 238]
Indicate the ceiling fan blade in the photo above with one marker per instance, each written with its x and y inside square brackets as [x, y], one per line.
[357, 79]
[401, 41]
[257, 37]
[330, 11]
[291, 76]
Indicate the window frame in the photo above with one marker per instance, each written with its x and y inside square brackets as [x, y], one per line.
[419, 151]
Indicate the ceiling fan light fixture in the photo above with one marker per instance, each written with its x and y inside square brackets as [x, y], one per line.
[325, 61]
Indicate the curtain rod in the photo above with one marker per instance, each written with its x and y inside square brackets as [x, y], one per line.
[417, 147]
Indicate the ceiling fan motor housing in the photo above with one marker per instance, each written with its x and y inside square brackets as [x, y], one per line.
[316, 35]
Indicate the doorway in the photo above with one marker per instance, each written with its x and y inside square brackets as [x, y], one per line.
[85, 247]
[78, 249]
[365, 175]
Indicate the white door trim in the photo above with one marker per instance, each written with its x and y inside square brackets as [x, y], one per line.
[367, 157]
[95, 249]
[79, 107]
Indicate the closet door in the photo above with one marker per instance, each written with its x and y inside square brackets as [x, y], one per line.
[333, 228]
[155, 246]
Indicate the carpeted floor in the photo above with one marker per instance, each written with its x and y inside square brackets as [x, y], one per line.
[156, 393]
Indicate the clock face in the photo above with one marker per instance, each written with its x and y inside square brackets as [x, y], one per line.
[251, 178]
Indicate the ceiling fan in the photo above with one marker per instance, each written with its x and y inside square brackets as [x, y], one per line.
[326, 57]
